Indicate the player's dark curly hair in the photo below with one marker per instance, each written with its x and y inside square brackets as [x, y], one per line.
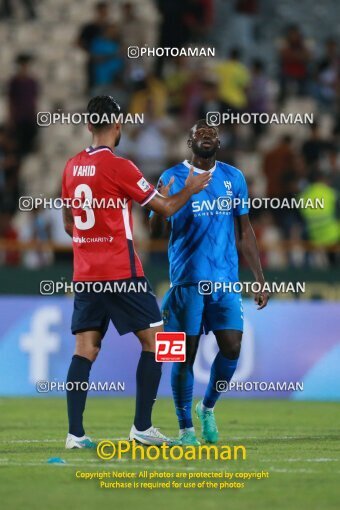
[102, 108]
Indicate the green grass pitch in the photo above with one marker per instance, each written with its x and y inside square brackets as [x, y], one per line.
[297, 442]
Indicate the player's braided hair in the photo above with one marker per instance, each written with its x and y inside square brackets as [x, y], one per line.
[102, 111]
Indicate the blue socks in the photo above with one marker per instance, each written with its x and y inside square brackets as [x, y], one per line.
[148, 376]
[78, 372]
[182, 383]
[222, 369]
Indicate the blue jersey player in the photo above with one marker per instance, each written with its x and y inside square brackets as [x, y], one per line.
[204, 237]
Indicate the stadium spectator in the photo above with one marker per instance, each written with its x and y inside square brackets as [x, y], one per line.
[175, 81]
[322, 223]
[244, 22]
[210, 101]
[294, 60]
[280, 165]
[34, 228]
[258, 94]
[8, 256]
[150, 142]
[9, 169]
[149, 86]
[331, 166]
[23, 93]
[197, 20]
[134, 32]
[314, 148]
[89, 32]
[106, 58]
[328, 75]
[140, 24]
[172, 32]
[192, 95]
[233, 81]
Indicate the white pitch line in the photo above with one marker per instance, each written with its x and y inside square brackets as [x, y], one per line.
[68, 464]
[28, 441]
[23, 441]
[234, 438]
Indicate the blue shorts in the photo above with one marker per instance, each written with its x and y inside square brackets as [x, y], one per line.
[128, 311]
[184, 309]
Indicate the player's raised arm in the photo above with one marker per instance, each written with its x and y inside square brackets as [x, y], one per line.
[246, 243]
[167, 206]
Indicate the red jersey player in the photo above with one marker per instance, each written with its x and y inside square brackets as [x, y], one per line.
[104, 252]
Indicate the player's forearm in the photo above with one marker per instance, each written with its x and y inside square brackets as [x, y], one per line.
[167, 206]
[68, 221]
[69, 230]
[175, 202]
[248, 246]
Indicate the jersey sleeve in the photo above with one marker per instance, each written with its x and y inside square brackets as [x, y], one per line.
[132, 182]
[242, 196]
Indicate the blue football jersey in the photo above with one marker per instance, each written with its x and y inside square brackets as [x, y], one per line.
[202, 243]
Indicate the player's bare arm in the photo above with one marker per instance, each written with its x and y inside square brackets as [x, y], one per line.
[167, 206]
[158, 223]
[68, 220]
[247, 245]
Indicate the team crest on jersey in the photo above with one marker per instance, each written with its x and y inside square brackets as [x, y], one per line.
[227, 185]
[143, 184]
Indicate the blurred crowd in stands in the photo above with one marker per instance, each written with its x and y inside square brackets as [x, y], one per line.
[173, 93]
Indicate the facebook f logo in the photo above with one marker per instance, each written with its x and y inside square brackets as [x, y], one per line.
[40, 341]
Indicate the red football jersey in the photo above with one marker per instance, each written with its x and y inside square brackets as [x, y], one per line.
[102, 236]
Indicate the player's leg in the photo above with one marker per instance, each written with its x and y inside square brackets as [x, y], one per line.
[87, 347]
[138, 312]
[224, 316]
[89, 325]
[222, 369]
[224, 364]
[182, 384]
[182, 310]
[148, 377]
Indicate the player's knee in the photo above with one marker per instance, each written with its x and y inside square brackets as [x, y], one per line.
[87, 349]
[147, 338]
[90, 351]
[94, 351]
[148, 344]
[232, 349]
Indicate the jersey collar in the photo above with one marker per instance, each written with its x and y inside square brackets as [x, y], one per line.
[91, 149]
[199, 170]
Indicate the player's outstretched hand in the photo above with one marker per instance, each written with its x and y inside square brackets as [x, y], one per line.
[261, 299]
[195, 183]
[164, 190]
